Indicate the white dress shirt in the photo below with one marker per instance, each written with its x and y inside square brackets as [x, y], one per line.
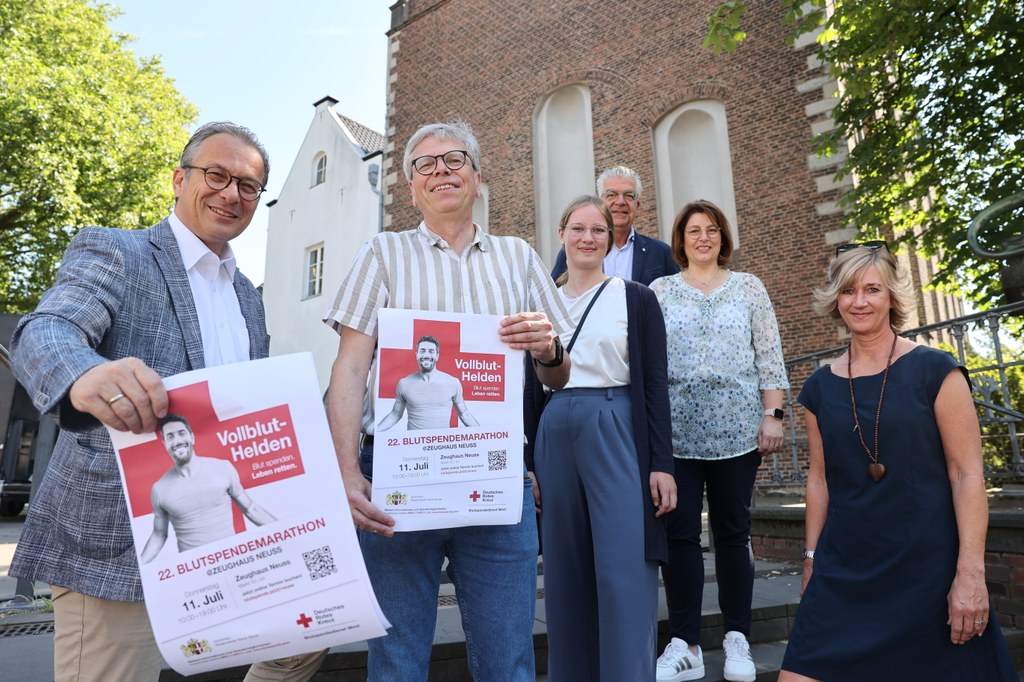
[225, 336]
[619, 262]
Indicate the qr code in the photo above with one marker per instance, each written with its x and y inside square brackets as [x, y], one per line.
[496, 460]
[319, 562]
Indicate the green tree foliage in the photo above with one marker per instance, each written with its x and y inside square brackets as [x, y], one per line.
[88, 136]
[932, 96]
[988, 384]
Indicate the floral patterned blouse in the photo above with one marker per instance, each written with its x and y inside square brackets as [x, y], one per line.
[723, 350]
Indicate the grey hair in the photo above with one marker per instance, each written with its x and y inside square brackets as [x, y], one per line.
[619, 172]
[457, 129]
[208, 130]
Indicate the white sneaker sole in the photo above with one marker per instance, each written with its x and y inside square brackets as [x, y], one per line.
[685, 675]
[740, 677]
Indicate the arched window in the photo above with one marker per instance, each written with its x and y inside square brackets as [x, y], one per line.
[319, 169]
[692, 161]
[563, 158]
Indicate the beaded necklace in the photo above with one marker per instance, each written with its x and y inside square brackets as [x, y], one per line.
[875, 469]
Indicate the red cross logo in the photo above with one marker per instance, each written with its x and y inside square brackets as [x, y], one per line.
[304, 620]
[475, 496]
[229, 439]
[396, 363]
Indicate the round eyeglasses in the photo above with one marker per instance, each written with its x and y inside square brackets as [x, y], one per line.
[453, 160]
[711, 232]
[218, 178]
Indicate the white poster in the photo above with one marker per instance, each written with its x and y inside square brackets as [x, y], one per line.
[245, 541]
[448, 442]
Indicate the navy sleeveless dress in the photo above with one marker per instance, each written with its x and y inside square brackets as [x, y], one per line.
[875, 608]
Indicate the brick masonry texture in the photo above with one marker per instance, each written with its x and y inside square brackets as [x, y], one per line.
[492, 64]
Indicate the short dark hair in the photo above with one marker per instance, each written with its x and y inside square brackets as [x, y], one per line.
[429, 339]
[208, 130]
[719, 220]
[173, 418]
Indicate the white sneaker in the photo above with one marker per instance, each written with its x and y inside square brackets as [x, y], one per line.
[739, 666]
[678, 663]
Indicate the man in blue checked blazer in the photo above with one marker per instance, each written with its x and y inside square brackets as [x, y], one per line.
[129, 307]
[633, 255]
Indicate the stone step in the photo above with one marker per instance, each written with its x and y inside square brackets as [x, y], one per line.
[776, 591]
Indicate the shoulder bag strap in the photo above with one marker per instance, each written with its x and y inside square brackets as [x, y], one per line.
[585, 313]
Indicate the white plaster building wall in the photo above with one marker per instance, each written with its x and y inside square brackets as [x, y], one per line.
[564, 160]
[692, 161]
[341, 213]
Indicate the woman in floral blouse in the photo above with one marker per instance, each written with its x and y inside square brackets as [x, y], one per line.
[727, 381]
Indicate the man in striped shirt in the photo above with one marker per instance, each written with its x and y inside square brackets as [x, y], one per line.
[446, 264]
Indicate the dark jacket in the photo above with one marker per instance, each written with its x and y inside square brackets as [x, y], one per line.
[652, 424]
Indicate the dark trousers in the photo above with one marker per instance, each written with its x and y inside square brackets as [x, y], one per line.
[730, 485]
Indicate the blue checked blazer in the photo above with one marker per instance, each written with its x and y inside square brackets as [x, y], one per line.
[119, 293]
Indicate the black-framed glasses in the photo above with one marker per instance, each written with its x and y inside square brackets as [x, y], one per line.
[873, 244]
[218, 178]
[453, 160]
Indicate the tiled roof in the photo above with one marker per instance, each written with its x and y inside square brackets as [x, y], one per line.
[369, 140]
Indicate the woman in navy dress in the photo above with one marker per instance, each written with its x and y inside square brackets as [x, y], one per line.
[894, 571]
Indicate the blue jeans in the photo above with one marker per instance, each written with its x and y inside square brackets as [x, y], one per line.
[494, 571]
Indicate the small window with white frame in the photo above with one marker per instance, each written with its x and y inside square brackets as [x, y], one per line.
[314, 271]
[319, 169]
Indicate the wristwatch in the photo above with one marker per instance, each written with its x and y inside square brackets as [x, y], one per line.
[777, 413]
[809, 554]
[558, 356]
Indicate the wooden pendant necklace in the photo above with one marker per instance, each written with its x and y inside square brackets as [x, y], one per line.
[875, 469]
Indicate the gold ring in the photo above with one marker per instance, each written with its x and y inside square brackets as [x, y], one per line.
[115, 398]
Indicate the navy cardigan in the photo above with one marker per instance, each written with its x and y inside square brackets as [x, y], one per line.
[652, 423]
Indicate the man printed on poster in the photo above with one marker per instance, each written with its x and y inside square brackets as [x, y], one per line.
[428, 394]
[195, 494]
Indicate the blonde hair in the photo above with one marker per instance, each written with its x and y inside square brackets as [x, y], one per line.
[577, 203]
[846, 268]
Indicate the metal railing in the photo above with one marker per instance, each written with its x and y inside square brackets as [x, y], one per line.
[990, 386]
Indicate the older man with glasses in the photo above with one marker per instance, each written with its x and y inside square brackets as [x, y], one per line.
[633, 256]
[446, 264]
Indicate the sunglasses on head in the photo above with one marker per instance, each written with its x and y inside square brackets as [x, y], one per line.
[874, 245]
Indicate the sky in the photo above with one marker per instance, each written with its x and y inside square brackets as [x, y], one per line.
[263, 65]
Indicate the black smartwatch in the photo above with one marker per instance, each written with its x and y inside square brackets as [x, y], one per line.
[558, 356]
[776, 412]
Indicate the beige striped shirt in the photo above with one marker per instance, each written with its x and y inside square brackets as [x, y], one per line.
[418, 270]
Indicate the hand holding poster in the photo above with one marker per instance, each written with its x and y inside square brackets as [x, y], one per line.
[448, 447]
[246, 545]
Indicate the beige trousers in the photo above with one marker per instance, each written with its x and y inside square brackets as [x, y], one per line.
[291, 669]
[98, 640]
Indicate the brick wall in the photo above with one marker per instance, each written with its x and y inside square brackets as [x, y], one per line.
[493, 63]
